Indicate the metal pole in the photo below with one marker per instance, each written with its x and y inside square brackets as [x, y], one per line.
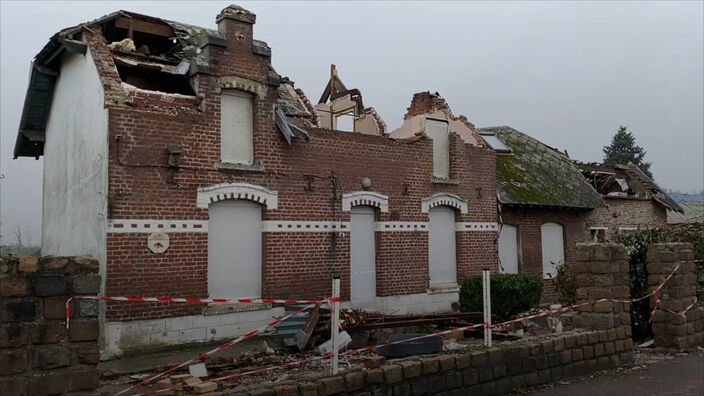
[335, 325]
[486, 278]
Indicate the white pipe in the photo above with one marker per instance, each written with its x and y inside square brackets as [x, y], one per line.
[335, 326]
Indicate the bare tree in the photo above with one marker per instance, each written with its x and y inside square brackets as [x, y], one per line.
[27, 237]
[18, 236]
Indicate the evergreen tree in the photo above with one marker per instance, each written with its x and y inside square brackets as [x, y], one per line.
[623, 150]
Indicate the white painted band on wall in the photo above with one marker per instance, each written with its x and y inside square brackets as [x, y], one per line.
[472, 226]
[123, 226]
[402, 226]
[305, 226]
[149, 226]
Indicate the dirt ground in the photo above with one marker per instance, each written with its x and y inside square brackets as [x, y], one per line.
[651, 375]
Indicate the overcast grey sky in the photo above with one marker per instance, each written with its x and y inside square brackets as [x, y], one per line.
[566, 73]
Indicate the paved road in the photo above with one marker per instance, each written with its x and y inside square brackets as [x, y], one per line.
[680, 376]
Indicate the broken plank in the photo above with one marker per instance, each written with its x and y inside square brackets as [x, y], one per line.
[145, 27]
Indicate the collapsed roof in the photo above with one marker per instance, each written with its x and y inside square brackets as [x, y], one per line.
[538, 175]
[338, 101]
[151, 54]
[625, 181]
[427, 105]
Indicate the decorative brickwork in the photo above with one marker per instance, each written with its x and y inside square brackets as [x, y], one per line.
[365, 198]
[38, 355]
[444, 199]
[675, 331]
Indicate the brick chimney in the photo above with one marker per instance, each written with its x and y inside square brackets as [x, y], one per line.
[237, 24]
[425, 103]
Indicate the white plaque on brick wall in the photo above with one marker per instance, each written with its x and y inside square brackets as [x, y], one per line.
[158, 242]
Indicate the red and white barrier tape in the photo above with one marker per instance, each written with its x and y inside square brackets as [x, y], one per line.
[221, 347]
[193, 300]
[375, 347]
[684, 311]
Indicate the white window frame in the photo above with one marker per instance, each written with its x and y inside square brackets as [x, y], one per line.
[232, 151]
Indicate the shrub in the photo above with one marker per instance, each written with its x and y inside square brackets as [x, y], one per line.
[511, 294]
[565, 283]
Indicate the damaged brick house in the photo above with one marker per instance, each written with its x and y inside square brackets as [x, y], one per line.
[549, 203]
[545, 205]
[632, 200]
[179, 158]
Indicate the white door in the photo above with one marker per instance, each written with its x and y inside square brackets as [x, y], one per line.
[443, 260]
[362, 254]
[235, 249]
[508, 249]
[553, 248]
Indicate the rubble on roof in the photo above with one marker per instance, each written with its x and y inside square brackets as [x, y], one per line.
[625, 181]
[432, 105]
[338, 101]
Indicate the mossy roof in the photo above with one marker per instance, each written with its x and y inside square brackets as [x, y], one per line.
[538, 175]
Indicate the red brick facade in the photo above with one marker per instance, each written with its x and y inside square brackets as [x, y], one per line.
[310, 177]
[621, 214]
[528, 222]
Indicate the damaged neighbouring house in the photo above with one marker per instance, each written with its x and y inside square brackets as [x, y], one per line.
[545, 205]
[188, 166]
[632, 200]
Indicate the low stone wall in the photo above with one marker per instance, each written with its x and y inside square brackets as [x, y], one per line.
[600, 338]
[671, 331]
[38, 355]
[480, 371]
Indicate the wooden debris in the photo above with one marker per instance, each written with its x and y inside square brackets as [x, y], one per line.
[205, 387]
[180, 378]
[165, 385]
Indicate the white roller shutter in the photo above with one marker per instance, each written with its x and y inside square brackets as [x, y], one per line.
[235, 249]
[443, 260]
[236, 128]
[362, 254]
[508, 249]
[553, 248]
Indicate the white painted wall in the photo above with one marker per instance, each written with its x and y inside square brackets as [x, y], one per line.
[120, 337]
[74, 213]
[417, 304]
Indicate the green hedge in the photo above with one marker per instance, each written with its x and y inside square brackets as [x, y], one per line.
[511, 294]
